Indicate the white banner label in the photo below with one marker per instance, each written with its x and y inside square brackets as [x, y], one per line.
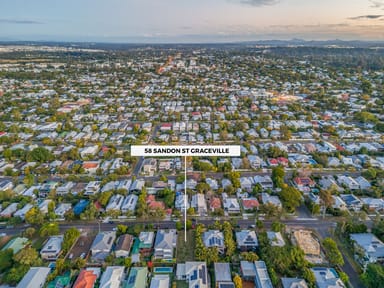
[191, 150]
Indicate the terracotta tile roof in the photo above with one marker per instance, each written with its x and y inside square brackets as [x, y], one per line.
[86, 279]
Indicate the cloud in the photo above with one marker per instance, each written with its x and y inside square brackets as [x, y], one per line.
[377, 3]
[369, 17]
[259, 2]
[18, 21]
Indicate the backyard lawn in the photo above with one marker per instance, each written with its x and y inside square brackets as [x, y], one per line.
[185, 251]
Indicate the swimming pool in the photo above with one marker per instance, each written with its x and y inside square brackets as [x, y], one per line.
[166, 270]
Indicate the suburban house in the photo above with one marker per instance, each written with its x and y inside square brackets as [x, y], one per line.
[181, 201]
[246, 240]
[376, 204]
[137, 278]
[304, 184]
[352, 201]
[146, 240]
[223, 276]
[293, 283]
[264, 181]
[195, 273]
[348, 182]
[8, 212]
[273, 200]
[327, 277]
[102, 245]
[16, 244]
[92, 188]
[137, 186]
[368, 245]
[129, 203]
[52, 248]
[214, 238]
[115, 202]
[165, 243]
[123, 245]
[112, 277]
[250, 204]
[62, 209]
[248, 271]
[35, 278]
[198, 202]
[231, 205]
[160, 281]
[262, 277]
[21, 212]
[87, 277]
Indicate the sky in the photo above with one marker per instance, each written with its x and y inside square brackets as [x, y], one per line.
[190, 21]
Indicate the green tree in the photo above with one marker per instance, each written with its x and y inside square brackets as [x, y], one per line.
[6, 259]
[26, 256]
[104, 197]
[40, 154]
[249, 256]
[70, 236]
[29, 232]
[15, 274]
[122, 229]
[49, 229]
[278, 174]
[373, 276]
[291, 198]
[29, 180]
[333, 253]
[229, 243]
[34, 216]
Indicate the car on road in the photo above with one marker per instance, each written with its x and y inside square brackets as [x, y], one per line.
[82, 256]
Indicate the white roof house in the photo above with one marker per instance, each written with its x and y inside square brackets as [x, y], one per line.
[214, 238]
[137, 185]
[327, 278]
[268, 199]
[165, 243]
[181, 201]
[43, 206]
[262, 277]
[129, 203]
[363, 183]
[231, 205]
[8, 212]
[348, 182]
[52, 248]
[65, 188]
[370, 245]
[102, 245]
[160, 281]
[112, 277]
[62, 209]
[264, 181]
[115, 202]
[35, 278]
[196, 274]
[198, 202]
[92, 188]
[21, 212]
[246, 240]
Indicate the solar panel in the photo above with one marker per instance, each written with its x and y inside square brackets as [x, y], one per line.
[204, 275]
